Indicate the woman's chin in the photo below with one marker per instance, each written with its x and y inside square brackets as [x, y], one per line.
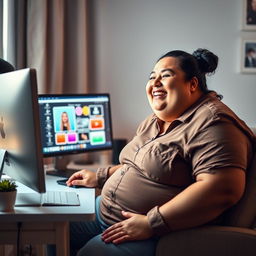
[159, 106]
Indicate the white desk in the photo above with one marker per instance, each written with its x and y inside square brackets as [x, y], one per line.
[46, 225]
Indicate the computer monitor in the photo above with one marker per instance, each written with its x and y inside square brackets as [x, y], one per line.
[20, 145]
[72, 124]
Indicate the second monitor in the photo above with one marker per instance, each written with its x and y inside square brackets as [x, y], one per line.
[74, 123]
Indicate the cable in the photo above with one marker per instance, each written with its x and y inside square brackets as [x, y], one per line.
[30, 250]
[19, 224]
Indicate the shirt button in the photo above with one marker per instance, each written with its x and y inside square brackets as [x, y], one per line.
[154, 177]
[109, 209]
[112, 193]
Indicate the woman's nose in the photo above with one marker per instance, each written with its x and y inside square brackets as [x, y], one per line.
[157, 82]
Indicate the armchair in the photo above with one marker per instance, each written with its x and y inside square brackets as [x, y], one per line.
[236, 238]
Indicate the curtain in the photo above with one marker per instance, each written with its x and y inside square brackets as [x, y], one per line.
[51, 36]
[1, 28]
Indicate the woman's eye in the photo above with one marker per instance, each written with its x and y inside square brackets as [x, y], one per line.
[166, 75]
[151, 78]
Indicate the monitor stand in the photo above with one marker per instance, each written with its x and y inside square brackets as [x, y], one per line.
[3, 154]
[83, 159]
[60, 167]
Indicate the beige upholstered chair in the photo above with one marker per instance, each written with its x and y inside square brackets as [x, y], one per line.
[237, 238]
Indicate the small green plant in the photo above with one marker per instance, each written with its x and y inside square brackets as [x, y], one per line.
[7, 185]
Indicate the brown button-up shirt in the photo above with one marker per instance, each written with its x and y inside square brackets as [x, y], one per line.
[155, 168]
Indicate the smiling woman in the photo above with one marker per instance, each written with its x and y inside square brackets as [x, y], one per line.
[178, 80]
[181, 170]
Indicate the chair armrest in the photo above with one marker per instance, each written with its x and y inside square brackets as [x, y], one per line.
[210, 241]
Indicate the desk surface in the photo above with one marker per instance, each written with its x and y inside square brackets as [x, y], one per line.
[54, 213]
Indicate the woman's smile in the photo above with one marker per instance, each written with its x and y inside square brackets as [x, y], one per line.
[159, 94]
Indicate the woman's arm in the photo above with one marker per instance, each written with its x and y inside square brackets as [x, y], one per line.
[205, 199]
[113, 169]
[88, 178]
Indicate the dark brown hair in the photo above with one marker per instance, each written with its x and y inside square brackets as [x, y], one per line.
[198, 64]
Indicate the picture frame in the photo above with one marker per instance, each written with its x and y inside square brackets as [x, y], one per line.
[248, 56]
[249, 15]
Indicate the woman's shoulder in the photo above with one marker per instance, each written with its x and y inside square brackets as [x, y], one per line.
[215, 111]
[146, 123]
[211, 107]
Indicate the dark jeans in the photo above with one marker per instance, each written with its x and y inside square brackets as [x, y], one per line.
[85, 240]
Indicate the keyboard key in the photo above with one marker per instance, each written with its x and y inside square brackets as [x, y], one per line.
[60, 198]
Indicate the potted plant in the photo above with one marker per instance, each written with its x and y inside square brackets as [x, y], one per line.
[8, 192]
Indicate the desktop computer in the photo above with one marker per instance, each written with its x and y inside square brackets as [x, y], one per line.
[33, 127]
[21, 155]
[72, 124]
[20, 144]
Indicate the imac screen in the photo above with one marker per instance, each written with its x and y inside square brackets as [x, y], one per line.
[20, 142]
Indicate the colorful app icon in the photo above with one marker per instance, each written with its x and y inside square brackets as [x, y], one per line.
[85, 111]
[71, 137]
[97, 138]
[79, 111]
[96, 110]
[96, 124]
[60, 138]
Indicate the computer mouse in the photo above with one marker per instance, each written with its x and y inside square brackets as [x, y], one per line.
[63, 182]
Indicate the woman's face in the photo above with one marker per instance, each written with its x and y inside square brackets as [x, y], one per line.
[64, 117]
[169, 94]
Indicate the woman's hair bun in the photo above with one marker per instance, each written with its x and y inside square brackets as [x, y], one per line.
[207, 61]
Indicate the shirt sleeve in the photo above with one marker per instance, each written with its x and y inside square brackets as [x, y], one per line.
[102, 175]
[220, 145]
[157, 222]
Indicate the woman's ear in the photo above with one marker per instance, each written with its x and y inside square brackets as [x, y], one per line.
[193, 84]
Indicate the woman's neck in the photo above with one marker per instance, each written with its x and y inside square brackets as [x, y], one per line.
[163, 126]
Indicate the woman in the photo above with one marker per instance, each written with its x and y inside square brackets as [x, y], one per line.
[65, 125]
[182, 169]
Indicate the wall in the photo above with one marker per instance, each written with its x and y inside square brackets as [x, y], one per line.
[128, 36]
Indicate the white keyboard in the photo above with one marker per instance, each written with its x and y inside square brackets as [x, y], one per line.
[60, 198]
[50, 198]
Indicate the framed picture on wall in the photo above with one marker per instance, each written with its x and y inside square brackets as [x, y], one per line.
[249, 15]
[248, 56]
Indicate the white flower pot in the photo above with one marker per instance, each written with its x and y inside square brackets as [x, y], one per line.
[7, 201]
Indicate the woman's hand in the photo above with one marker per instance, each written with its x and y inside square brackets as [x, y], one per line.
[135, 227]
[83, 178]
